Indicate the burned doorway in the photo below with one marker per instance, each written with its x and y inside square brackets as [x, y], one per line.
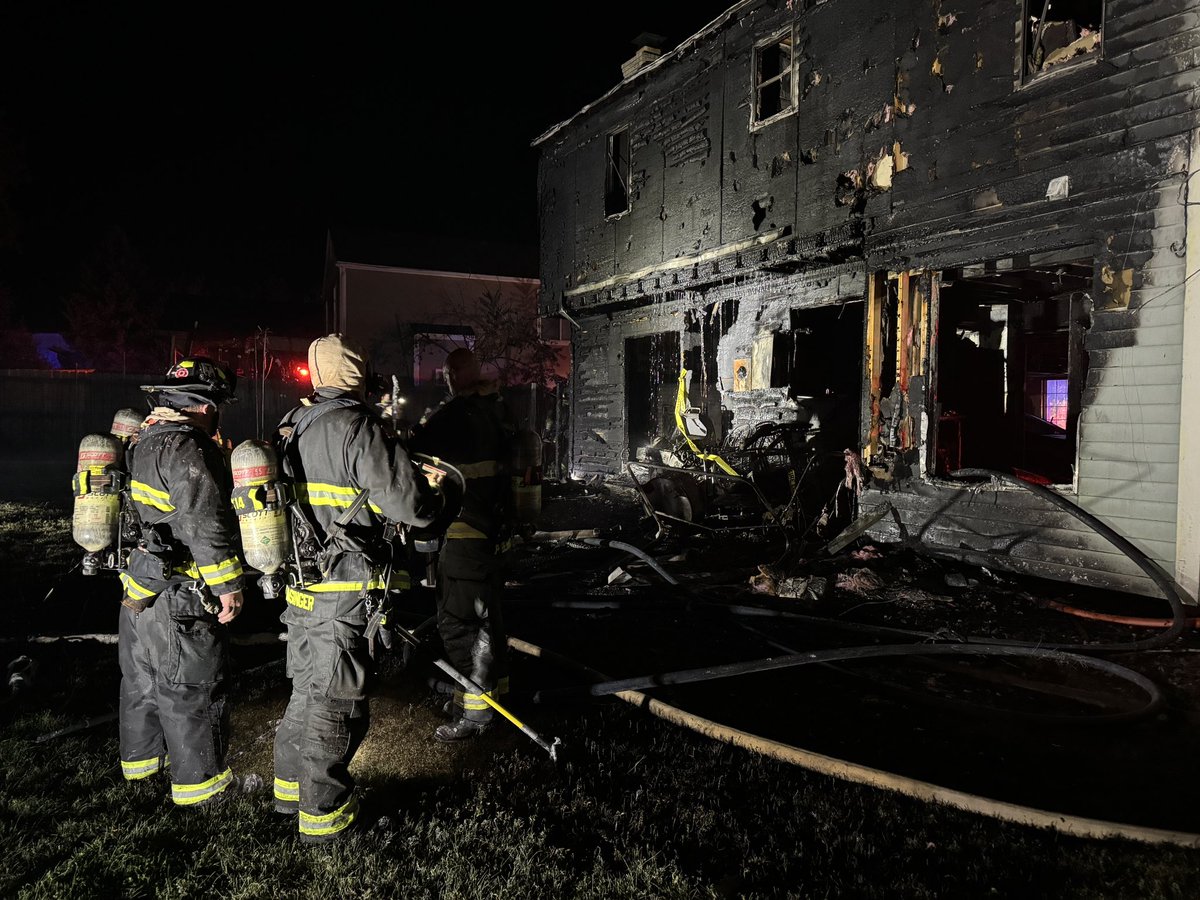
[1011, 365]
[820, 362]
[651, 382]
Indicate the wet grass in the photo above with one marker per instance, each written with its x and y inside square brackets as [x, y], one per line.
[637, 809]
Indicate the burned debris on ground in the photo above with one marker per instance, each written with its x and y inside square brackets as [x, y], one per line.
[1041, 730]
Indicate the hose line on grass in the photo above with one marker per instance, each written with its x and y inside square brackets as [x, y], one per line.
[794, 660]
[856, 773]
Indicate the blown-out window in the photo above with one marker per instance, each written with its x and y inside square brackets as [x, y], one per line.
[774, 78]
[1060, 33]
[616, 178]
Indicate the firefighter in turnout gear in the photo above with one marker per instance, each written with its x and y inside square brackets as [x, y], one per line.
[335, 449]
[473, 431]
[182, 586]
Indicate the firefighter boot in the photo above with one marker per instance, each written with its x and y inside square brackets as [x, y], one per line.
[460, 730]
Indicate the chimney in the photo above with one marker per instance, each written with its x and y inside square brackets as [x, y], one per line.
[649, 49]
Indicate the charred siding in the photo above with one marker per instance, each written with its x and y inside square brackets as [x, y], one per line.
[940, 89]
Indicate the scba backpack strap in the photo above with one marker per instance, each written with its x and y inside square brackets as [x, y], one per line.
[310, 554]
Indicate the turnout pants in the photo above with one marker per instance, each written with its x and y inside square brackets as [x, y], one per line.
[328, 713]
[173, 658]
[470, 621]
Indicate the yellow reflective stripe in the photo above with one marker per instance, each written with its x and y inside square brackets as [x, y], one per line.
[331, 823]
[299, 599]
[468, 700]
[141, 768]
[333, 587]
[215, 568]
[153, 492]
[187, 794]
[189, 570]
[224, 571]
[482, 469]
[463, 530]
[286, 790]
[133, 589]
[148, 496]
[399, 581]
[316, 493]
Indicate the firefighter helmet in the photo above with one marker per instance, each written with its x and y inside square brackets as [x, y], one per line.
[197, 375]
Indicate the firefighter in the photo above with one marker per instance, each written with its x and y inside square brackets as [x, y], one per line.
[334, 448]
[472, 430]
[182, 587]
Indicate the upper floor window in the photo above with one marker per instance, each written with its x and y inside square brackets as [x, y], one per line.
[774, 68]
[616, 177]
[1059, 33]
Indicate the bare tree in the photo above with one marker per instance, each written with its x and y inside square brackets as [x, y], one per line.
[507, 334]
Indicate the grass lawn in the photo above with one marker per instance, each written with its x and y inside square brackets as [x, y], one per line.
[638, 808]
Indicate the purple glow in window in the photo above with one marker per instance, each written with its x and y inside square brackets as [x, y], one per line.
[1054, 401]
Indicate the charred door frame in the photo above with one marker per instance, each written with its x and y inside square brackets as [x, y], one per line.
[916, 329]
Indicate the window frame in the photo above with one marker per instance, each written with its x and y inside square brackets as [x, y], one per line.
[1026, 78]
[757, 84]
[613, 174]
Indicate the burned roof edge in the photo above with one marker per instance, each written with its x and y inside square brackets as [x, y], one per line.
[648, 67]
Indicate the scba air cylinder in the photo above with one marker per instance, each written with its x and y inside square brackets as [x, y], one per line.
[97, 489]
[126, 423]
[260, 506]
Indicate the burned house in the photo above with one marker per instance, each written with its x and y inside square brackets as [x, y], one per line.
[957, 236]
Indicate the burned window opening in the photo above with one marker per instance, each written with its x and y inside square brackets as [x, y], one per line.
[1059, 33]
[616, 177]
[1011, 369]
[651, 381]
[774, 79]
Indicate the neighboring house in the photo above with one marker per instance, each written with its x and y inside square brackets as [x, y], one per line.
[411, 300]
[974, 228]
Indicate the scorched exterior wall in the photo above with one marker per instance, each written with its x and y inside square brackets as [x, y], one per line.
[773, 216]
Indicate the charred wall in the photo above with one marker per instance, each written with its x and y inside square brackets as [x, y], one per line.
[917, 143]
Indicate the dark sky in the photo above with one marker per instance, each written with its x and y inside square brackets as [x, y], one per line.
[224, 141]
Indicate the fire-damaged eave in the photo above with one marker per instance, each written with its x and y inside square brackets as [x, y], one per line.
[645, 70]
[772, 252]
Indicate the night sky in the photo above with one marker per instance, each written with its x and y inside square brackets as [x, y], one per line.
[223, 146]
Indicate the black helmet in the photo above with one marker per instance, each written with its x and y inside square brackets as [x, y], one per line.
[199, 376]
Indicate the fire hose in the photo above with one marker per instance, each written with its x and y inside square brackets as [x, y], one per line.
[1059, 652]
